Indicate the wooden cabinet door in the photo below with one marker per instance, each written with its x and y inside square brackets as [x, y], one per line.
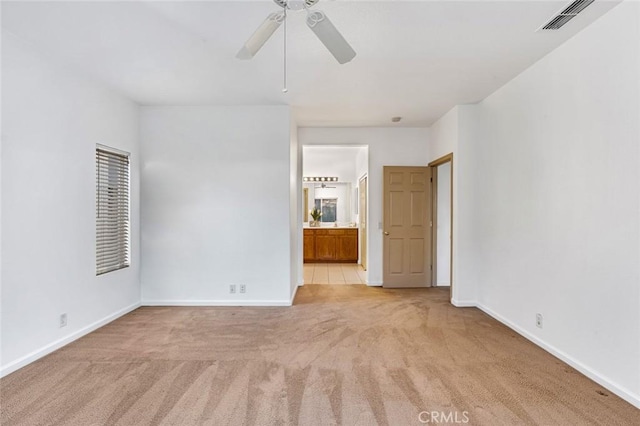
[325, 247]
[347, 247]
[309, 246]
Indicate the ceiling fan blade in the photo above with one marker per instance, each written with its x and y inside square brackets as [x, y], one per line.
[261, 35]
[330, 36]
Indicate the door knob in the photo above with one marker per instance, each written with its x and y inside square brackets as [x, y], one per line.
[386, 233]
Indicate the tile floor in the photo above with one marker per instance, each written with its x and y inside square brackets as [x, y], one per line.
[334, 273]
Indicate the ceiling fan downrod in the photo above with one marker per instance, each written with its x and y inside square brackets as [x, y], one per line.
[284, 55]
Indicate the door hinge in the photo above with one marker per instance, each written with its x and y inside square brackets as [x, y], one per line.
[430, 224]
[431, 267]
[430, 179]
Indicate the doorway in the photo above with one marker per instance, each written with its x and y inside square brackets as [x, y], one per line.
[442, 208]
[333, 241]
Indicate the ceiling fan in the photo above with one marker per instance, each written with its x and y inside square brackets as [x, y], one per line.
[324, 186]
[316, 20]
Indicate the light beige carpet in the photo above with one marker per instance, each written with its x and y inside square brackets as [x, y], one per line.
[345, 355]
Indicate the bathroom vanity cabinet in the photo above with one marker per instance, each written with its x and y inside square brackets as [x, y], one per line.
[331, 245]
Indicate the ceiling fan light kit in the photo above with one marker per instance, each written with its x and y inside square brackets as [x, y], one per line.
[316, 20]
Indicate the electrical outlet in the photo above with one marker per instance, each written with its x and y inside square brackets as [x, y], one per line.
[539, 320]
[63, 320]
[232, 288]
[243, 288]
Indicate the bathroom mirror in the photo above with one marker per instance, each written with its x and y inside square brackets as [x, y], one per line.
[333, 199]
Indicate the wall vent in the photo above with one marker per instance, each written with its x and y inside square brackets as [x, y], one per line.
[566, 14]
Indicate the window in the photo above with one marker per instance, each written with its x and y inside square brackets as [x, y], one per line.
[112, 210]
[328, 208]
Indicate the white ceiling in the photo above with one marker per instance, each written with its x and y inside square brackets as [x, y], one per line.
[416, 59]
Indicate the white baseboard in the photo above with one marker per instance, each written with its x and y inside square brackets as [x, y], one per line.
[374, 283]
[46, 350]
[623, 393]
[217, 302]
[293, 294]
[464, 303]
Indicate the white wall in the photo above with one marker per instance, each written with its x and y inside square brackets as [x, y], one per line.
[362, 163]
[387, 146]
[295, 205]
[554, 190]
[1, 139]
[452, 133]
[330, 161]
[52, 118]
[443, 135]
[216, 210]
[443, 269]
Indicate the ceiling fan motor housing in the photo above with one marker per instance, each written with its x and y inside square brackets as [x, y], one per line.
[295, 4]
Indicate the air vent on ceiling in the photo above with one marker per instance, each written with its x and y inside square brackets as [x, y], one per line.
[567, 14]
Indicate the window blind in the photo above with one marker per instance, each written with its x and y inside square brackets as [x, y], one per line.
[112, 210]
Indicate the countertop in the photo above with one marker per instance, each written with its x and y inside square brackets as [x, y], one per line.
[329, 227]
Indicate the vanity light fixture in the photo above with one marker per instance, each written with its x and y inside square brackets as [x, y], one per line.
[320, 179]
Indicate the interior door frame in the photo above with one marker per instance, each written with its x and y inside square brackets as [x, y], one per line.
[297, 222]
[434, 209]
[363, 252]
